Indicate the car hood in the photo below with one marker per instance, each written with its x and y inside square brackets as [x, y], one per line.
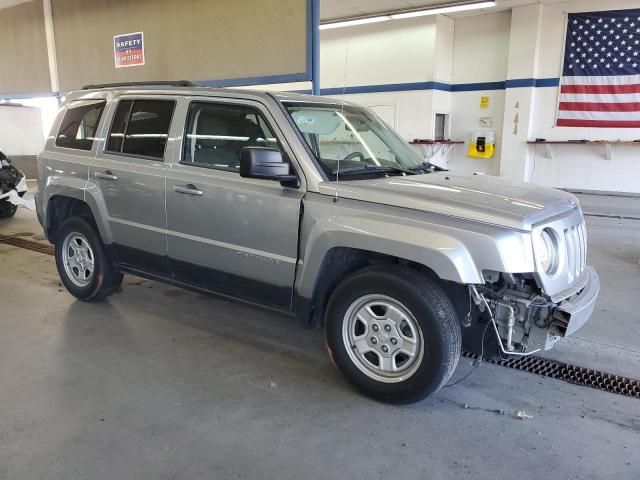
[475, 197]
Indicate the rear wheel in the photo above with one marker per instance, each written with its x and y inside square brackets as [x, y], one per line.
[7, 209]
[393, 333]
[82, 261]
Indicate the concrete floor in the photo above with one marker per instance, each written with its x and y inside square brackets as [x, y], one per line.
[162, 383]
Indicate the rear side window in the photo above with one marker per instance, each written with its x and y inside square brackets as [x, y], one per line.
[80, 124]
[141, 128]
[217, 133]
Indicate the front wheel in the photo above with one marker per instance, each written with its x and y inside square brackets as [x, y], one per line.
[393, 333]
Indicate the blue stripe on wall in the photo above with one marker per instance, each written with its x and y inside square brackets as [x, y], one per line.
[547, 82]
[445, 87]
[472, 87]
[389, 87]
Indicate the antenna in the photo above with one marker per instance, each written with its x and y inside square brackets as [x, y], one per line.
[344, 89]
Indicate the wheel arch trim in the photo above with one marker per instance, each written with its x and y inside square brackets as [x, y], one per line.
[81, 190]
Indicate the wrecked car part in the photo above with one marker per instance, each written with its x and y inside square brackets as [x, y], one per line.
[13, 186]
[525, 319]
[479, 298]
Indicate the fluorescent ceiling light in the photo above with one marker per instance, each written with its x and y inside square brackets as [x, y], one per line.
[358, 21]
[451, 9]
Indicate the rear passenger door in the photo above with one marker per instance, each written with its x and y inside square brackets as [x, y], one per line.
[130, 172]
[232, 235]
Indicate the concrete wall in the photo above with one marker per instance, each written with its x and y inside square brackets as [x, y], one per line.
[193, 39]
[23, 49]
[478, 56]
[217, 41]
[584, 166]
[408, 70]
[389, 53]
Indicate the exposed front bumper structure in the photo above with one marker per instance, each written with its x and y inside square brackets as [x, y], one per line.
[572, 313]
[527, 324]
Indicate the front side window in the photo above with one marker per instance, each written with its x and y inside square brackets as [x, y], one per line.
[216, 134]
[141, 127]
[348, 139]
[80, 124]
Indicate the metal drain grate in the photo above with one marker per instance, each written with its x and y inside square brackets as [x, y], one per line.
[582, 376]
[27, 244]
[585, 377]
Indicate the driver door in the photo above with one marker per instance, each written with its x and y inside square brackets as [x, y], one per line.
[227, 234]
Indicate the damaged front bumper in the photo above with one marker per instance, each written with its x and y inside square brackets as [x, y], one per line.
[570, 312]
[525, 323]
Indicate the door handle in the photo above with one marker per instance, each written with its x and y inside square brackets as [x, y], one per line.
[189, 189]
[106, 175]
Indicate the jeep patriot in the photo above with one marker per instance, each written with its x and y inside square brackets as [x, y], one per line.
[315, 207]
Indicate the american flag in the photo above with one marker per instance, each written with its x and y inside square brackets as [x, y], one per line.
[600, 84]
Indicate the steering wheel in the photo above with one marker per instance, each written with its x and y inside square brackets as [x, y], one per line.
[353, 155]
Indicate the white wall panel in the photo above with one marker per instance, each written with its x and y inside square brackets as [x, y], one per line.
[481, 47]
[21, 132]
[379, 53]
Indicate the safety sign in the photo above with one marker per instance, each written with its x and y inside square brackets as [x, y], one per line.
[128, 49]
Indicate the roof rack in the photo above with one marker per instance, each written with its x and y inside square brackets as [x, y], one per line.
[170, 83]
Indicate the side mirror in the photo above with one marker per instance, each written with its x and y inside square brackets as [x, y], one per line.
[266, 163]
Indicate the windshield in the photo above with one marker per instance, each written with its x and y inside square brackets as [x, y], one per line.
[347, 140]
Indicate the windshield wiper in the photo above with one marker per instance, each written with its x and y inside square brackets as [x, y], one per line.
[428, 166]
[368, 168]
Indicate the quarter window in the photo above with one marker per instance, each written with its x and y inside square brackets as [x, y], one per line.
[215, 135]
[80, 124]
[141, 127]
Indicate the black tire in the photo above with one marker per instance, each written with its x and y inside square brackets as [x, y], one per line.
[431, 309]
[105, 279]
[7, 210]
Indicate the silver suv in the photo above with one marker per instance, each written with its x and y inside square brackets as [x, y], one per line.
[314, 207]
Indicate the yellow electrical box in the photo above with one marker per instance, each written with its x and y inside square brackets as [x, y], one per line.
[482, 145]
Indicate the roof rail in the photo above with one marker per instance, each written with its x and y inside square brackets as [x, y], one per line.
[162, 83]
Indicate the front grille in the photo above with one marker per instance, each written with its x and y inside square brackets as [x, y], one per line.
[575, 238]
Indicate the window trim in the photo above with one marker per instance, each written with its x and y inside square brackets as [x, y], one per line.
[133, 101]
[241, 105]
[96, 138]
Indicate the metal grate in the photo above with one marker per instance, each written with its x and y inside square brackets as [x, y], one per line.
[27, 244]
[582, 376]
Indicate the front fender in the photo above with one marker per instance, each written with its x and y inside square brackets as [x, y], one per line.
[455, 250]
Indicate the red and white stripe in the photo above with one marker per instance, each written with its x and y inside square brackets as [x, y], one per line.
[599, 101]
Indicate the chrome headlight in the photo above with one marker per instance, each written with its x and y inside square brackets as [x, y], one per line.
[547, 251]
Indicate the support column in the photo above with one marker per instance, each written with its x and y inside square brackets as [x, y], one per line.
[51, 46]
[315, 47]
[519, 108]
